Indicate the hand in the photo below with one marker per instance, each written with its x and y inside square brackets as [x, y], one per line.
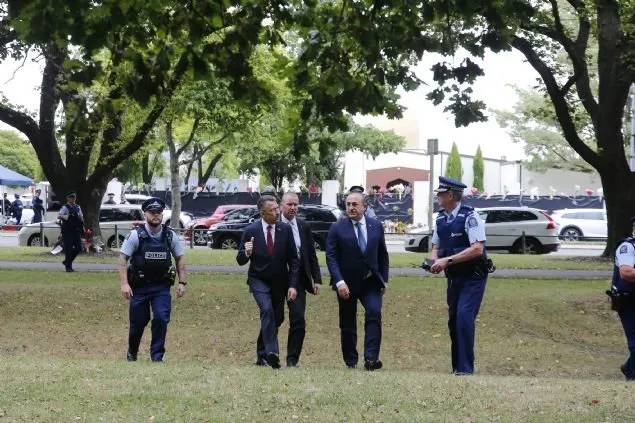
[316, 288]
[249, 247]
[383, 290]
[180, 291]
[439, 265]
[343, 291]
[292, 294]
[126, 291]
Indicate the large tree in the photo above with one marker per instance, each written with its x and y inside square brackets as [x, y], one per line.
[101, 57]
[537, 30]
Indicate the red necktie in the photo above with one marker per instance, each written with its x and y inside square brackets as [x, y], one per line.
[269, 241]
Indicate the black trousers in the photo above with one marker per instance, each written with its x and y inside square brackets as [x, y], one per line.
[297, 326]
[72, 247]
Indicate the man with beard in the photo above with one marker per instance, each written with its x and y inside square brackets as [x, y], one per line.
[146, 282]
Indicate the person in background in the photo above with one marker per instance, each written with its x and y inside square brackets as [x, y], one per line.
[111, 199]
[72, 229]
[38, 207]
[16, 209]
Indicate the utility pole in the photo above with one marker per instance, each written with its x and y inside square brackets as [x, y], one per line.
[433, 149]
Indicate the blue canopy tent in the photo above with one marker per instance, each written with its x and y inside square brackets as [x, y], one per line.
[13, 179]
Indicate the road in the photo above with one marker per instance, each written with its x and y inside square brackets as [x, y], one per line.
[394, 244]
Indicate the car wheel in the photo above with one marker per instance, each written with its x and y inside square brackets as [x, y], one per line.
[532, 246]
[228, 243]
[199, 236]
[571, 234]
[112, 242]
[423, 245]
[34, 241]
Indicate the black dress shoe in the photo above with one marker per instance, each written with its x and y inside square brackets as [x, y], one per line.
[351, 366]
[261, 362]
[273, 360]
[625, 373]
[157, 360]
[131, 357]
[70, 270]
[292, 363]
[371, 365]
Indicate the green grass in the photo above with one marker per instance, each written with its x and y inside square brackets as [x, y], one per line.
[228, 257]
[546, 351]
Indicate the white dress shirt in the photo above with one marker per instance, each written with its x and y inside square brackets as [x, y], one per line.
[296, 232]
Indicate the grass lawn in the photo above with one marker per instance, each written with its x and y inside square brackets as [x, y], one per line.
[546, 351]
[228, 257]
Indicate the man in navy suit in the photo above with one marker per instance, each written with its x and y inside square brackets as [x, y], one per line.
[310, 276]
[268, 246]
[357, 260]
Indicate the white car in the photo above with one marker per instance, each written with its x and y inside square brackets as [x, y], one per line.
[123, 217]
[504, 227]
[576, 224]
[138, 199]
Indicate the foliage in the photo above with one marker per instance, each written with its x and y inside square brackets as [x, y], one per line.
[453, 167]
[17, 154]
[478, 169]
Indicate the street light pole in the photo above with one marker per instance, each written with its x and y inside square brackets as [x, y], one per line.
[433, 149]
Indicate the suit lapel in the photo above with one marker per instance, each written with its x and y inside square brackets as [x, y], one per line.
[260, 236]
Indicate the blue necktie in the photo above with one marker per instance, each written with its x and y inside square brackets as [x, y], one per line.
[360, 237]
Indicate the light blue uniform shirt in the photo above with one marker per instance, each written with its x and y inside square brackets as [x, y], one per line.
[625, 255]
[131, 242]
[474, 226]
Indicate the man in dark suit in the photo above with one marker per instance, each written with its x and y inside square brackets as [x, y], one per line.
[309, 274]
[357, 259]
[268, 246]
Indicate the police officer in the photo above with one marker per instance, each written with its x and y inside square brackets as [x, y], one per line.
[146, 282]
[6, 205]
[459, 250]
[16, 209]
[111, 198]
[623, 296]
[38, 207]
[72, 229]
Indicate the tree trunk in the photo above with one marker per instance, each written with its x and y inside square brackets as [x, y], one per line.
[146, 170]
[620, 205]
[90, 198]
[175, 180]
[202, 179]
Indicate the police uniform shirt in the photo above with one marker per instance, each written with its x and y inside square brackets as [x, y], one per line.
[625, 255]
[474, 226]
[64, 211]
[131, 242]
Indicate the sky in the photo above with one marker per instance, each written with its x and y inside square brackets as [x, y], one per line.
[494, 88]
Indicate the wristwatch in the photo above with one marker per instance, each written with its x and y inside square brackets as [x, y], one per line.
[450, 261]
[182, 283]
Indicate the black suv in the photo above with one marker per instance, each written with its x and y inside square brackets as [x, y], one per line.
[227, 234]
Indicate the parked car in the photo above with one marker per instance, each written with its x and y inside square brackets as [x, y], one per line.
[122, 216]
[504, 227]
[577, 224]
[200, 226]
[138, 199]
[227, 234]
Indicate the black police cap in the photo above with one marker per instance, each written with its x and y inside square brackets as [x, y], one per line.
[356, 188]
[153, 203]
[71, 194]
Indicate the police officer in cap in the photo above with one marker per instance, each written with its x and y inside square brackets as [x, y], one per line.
[459, 250]
[146, 282]
[111, 198]
[622, 295]
[16, 209]
[72, 229]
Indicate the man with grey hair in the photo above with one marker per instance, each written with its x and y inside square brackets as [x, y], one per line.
[309, 274]
[269, 247]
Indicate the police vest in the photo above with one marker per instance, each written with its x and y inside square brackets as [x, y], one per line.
[151, 261]
[619, 283]
[73, 223]
[453, 237]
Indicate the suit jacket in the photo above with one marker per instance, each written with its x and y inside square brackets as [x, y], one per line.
[309, 267]
[345, 259]
[279, 270]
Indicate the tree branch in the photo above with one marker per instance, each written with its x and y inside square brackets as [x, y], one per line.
[201, 152]
[559, 102]
[190, 139]
[20, 121]
[137, 141]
